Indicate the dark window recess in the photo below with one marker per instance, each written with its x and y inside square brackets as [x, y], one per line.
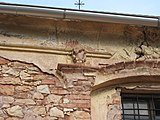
[140, 107]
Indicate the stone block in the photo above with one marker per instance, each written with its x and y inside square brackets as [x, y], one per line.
[53, 98]
[55, 112]
[23, 88]
[10, 81]
[15, 111]
[40, 110]
[38, 96]
[43, 89]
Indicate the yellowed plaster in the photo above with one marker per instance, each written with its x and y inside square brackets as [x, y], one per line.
[99, 101]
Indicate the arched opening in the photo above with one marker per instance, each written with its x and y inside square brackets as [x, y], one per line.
[106, 97]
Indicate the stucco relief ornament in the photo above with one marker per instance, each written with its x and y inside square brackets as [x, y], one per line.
[147, 52]
[78, 55]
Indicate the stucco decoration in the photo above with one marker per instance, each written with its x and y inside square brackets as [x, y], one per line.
[78, 55]
[147, 52]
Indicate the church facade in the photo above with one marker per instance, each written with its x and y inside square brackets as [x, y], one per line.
[61, 64]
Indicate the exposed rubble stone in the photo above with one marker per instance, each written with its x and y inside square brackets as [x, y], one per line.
[38, 95]
[6, 99]
[5, 106]
[29, 94]
[23, 88]
[30, 115]
[40, 110]
[10, 71]
[15, 111]
[25, 76]
[10, 80]
[55, 112]
[43, 89]
[53, 98]
[65, 100]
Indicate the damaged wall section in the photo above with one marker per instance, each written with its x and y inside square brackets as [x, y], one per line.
[27, 93]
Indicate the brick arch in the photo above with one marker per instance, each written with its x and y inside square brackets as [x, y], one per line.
[147, 71]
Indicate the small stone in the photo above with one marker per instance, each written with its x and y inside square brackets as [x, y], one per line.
[4, 68]
[33, 68]
[15, 111]
[38, 96]
[43, 89]
[10, 80]
[40, 110]
[5, 105]
[25, 76]
[65, 100]
[24, 101]
[35, 83]
[7, 99]
[30, 115]
[55, 112]
[11, 71]
[21, 95]
[53, 98]
[23, 88]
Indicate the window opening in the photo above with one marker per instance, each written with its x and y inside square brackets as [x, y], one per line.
[140, 107]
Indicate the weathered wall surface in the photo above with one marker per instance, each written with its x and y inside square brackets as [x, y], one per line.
[27, 93]
[106, 105]
[56, 40]
[53, 65]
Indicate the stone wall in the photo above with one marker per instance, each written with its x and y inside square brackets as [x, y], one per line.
[27, 93]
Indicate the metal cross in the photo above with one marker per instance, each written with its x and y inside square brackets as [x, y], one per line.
[79, 4]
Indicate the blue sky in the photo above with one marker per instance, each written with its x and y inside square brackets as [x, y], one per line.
[145, 7]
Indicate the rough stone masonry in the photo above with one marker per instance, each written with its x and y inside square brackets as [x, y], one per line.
[27, 93]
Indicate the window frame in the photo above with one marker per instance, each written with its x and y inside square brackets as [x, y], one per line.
[150, 98]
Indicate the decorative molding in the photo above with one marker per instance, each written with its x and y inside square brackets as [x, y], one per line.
[53, 51]
[79, 55]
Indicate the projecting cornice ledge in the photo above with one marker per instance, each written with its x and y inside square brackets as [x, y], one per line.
[127, 72]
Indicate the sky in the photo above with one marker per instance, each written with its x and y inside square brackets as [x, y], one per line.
[142, 7]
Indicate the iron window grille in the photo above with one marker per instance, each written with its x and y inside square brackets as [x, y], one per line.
[140, 106]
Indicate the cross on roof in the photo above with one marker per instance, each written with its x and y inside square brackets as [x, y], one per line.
[79, 4]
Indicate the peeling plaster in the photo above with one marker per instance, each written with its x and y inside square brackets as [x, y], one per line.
[47, 63]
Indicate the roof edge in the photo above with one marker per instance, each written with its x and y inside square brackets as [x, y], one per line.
[62, 13]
